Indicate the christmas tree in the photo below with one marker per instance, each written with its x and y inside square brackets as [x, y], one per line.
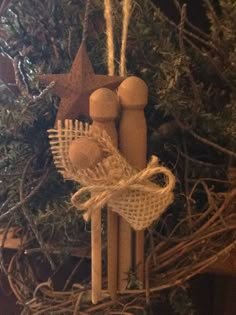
[190, 115]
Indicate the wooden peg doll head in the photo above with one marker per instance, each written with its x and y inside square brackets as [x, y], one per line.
[103, 109]
[84, 153]
[133, 93]
[103, 105]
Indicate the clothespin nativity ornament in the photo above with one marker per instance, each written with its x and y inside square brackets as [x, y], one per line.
[111, 179]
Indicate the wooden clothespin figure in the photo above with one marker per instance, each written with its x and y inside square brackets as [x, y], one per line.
[133, 97]
[85, 153]
[103, 111]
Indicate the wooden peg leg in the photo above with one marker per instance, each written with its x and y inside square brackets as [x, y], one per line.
[96, 244]
[112, 254]
[125, 253]
[139, 254]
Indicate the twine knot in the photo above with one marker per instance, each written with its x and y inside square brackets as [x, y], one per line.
[100, 195]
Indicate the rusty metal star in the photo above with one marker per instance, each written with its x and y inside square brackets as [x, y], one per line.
[75, 87]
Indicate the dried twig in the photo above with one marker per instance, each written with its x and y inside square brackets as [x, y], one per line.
[205, 141]
[183, 52]
[192, 26]
[187, 33]
[39, 97]
[27, 198]
[29, 216]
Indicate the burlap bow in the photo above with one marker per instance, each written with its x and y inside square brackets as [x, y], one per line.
[113, 181]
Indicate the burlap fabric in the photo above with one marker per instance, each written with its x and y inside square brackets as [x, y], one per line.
[112, 181]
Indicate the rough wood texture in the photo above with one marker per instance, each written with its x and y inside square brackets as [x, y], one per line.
[75, 87]
[103, 111]
[133, 94]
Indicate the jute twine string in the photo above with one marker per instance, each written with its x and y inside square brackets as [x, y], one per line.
[127, 5]
[86, 21]
[112, 181]
[110, 39]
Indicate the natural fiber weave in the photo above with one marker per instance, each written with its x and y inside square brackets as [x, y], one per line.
[112, 181]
